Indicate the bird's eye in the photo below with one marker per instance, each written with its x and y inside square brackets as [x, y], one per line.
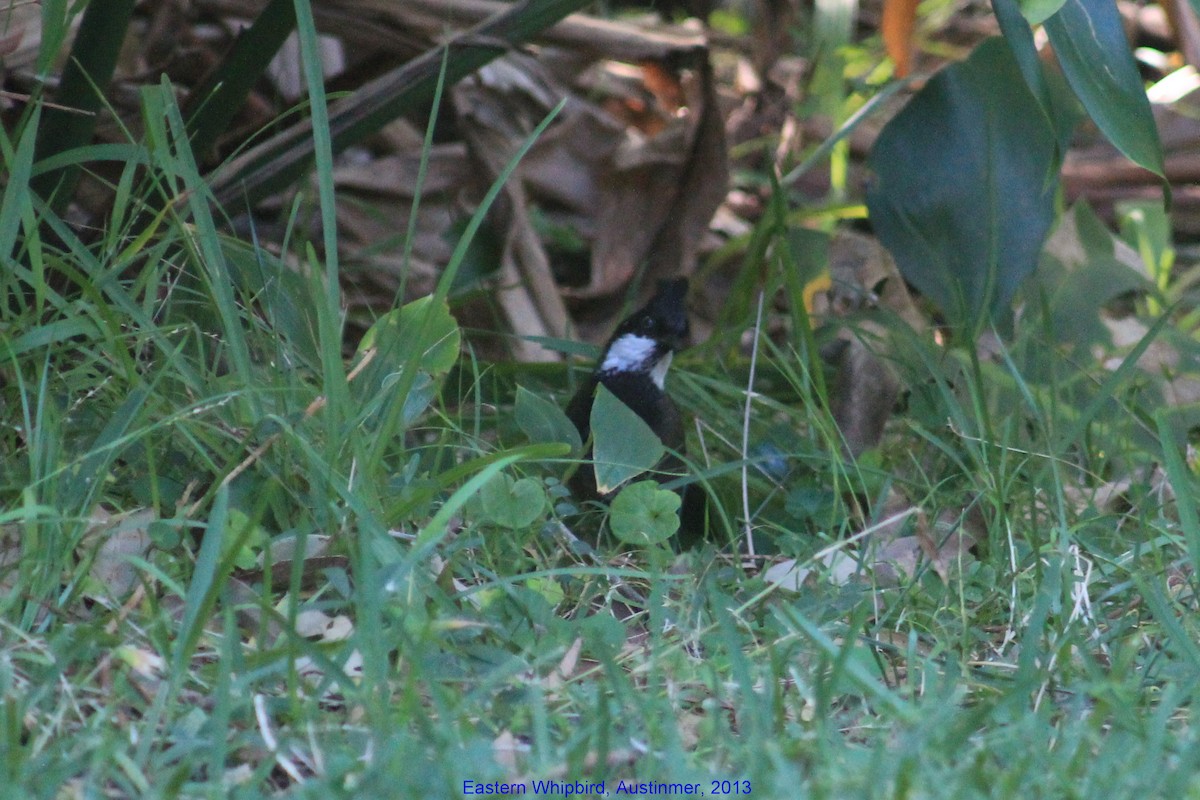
[646, 325]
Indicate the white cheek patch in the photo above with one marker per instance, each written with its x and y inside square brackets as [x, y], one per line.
[629, 353]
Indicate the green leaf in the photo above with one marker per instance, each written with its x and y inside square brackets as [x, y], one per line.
[1146, 227]
[1058, 105]
[543, 421]
[422, 335]
[1037, 11]
[1089, 40]
[512, 504]
[644, 514]
[623, 446]
[1080, 271]
[281, 292]
[961, 196]
[548, 588]
[212, 105]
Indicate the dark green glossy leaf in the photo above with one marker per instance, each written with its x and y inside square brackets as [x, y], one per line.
[623, 444]
[543, 421]
[644, 514]
[1089, 40]
[961, 196]
[1058, 105]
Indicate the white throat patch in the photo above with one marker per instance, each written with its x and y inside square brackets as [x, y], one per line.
[633, 353]
[659, 373]
[629, 353]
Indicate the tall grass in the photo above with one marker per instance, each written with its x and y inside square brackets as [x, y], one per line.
[205, 380]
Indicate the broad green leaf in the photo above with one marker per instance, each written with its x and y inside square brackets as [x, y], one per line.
[420, 394]
[1146, 227]
[247, 540]
[1037, 11]
[88, 478]
[550, 589]
[623, 444]
[1083, 267]
[961, 196]
[1089, 39]
[512, 503]
[644, 514]
[421, 336]
[281, 292]
[543, 421]
[1059, 106]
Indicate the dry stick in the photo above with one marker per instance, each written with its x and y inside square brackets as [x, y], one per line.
[746, 431]
[28, 98]
[316, 405]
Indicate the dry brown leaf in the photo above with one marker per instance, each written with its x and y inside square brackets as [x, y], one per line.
[897, 560]
[504, 750]
[385, 189]
[497, 110]
[116, 539]
[947, 545]
[21, 30]
[10, 554]
[838, 567]
[1179, 379]
[863, 275]
[314, 624]
[145, 663]
[281, 554]
[863, 394]
[663, 194]
[1112, 496]
[314, 674]
[1186, 27]
[566, 666]
[566, 167]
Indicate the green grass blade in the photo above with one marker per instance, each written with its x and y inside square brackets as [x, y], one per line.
[85, 79]
[1184, 484]
[330, 320]
[212, 105]
[205, 585]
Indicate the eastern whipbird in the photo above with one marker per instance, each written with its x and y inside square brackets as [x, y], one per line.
[634, 367]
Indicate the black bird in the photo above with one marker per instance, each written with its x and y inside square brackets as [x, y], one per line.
[633, 367]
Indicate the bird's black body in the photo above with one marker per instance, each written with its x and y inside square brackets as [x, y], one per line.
[633, 367]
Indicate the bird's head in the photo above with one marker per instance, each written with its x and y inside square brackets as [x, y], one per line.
[646, 340]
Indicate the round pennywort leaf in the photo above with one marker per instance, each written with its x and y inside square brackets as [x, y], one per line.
[644, 514]
[512, 503]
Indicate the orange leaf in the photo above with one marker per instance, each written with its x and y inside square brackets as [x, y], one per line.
[899, 21]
